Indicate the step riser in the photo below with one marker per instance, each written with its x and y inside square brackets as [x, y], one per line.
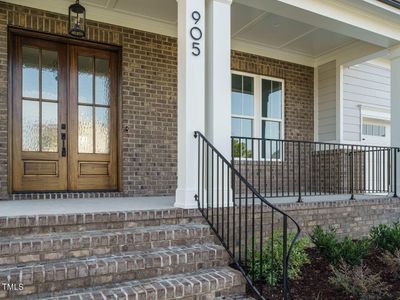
[76, 275]
[25, 225]
[205, 287]
[116, 243]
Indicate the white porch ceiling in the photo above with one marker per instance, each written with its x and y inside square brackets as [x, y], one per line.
[266, 27]
[249, 25]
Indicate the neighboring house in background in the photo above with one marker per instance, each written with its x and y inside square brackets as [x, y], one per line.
[364, 108]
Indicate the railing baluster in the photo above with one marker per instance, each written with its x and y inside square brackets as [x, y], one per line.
[396, 150]
[285, 262]
[299, 171]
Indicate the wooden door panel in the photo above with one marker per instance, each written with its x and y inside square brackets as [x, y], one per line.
[39, 94]
[64, 122]
[93, 119]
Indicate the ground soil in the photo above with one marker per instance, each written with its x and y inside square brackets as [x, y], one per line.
[314, 283]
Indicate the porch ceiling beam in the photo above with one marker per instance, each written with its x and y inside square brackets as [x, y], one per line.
[337, 16]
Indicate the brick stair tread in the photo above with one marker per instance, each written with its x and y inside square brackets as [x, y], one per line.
[90, 271]
[179, 286]
[69, 241]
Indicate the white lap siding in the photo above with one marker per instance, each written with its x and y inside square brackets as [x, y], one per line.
[327, 102]
[364, 84]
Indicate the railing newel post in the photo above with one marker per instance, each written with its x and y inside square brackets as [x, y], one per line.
[395, 172]
[299, 200]
[352, 173]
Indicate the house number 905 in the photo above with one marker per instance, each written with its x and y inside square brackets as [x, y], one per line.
[196, 34]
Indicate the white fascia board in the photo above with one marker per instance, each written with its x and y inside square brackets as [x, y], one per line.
[279, 54]
[104, 15]
[336, 16]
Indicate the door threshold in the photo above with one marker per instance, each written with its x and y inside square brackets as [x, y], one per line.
[66, 195]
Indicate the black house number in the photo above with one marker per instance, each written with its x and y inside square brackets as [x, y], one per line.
[196, 34]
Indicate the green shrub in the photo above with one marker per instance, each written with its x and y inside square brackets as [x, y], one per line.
[269, 267]
[351, 252]
[359, 282]
[386, 237]
[325, 242]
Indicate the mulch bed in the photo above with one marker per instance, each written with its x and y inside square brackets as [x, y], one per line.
[314, 283]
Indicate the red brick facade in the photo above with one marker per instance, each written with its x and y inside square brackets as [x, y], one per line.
[148, 97]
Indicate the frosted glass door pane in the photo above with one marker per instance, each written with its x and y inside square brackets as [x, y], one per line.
[85, 79]
[102, 82]
[49, 127]
[30, 126]
[85, 129]
[102, 130]
[49, 75]
[30, 72]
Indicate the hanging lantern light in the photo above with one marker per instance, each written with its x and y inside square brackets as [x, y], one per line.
[77, 20]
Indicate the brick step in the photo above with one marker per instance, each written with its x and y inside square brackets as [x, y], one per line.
[91, 271]
[38, 224]
[56, 246]
[203, 284]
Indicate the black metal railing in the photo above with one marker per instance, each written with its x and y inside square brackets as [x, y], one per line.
[258, 236]
[286, 168]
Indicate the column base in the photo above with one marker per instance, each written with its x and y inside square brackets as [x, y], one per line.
[185, 199]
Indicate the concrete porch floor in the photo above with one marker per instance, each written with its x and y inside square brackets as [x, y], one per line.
[93, 205]
[90, 205]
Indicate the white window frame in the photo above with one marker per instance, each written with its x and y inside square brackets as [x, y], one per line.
[257, 118]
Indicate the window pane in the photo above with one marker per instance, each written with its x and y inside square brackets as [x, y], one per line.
[30, 72]
[375, 129]
[102, 129]
[49, 127]
[49, 75]
[236, 127]
[271, 99]
[369, 129]
[236, 83]
[102, 83]
[247, 127]
[85, 130]
[242, 127]
[242, 95]
[30, 126]
[271, 130]
[382, 131]
[85, 79]
[236, 94]
[248, 96]
[364, 129]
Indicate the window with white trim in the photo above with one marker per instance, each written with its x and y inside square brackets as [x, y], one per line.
[257, 111]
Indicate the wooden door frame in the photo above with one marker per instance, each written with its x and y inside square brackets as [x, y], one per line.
[16, 31]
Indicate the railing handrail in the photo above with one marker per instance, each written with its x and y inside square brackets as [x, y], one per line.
[264, 201]
[313, 142]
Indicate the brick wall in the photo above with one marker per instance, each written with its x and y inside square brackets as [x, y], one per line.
[299, 90]
[148, 100]
[149, 96]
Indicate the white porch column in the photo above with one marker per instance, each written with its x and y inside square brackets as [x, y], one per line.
[191, 92]
[395, 106]
[218, 74]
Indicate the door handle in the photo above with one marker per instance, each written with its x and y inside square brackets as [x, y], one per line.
[63, 150]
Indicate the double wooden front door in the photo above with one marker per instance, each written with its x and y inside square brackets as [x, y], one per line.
[64, 117]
